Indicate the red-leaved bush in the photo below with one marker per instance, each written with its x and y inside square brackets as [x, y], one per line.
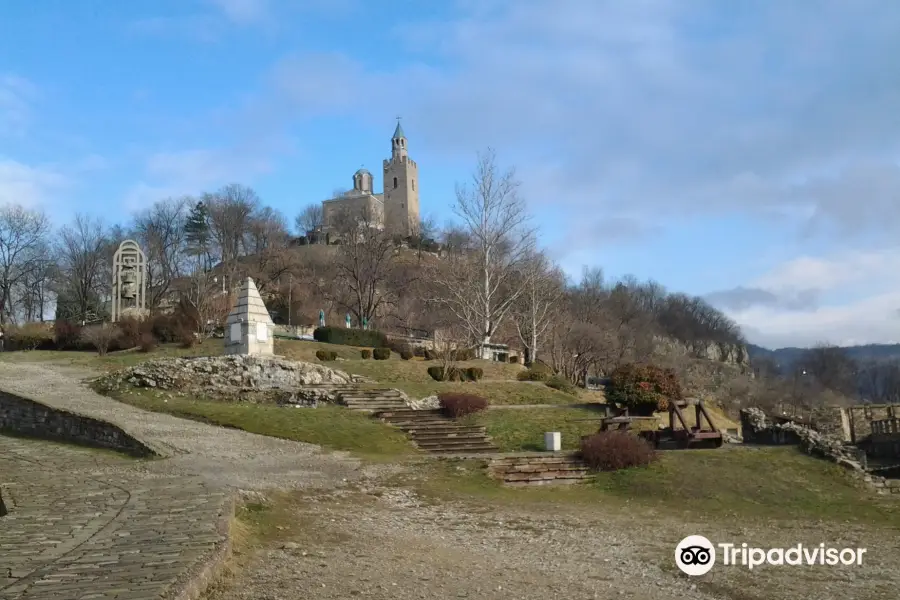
[459, 405]
[643, 389]
[614, 450]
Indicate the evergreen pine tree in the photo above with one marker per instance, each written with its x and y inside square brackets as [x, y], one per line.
[196, 230]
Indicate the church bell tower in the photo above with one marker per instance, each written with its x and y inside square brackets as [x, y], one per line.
[401, 188]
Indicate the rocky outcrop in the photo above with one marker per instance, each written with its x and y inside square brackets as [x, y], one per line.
[228, 375]
[427, 403]
[731, 354]
[759, 428]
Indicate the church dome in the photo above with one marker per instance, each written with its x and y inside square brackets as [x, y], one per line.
[362, 172]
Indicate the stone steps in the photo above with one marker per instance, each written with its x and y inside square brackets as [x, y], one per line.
[433, 432]
[358, 398]
[538, 469]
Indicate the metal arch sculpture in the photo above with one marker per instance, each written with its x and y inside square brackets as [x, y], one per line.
[129, 278]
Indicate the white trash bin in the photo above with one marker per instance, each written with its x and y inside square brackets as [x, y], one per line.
[552, 441]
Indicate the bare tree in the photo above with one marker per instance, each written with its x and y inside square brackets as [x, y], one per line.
[160, 230]
[230, 212]
[831, 367]
[366, 267]
[481, 286]
[81, 252]
[312, 218]
[533, 311]
[23, 236]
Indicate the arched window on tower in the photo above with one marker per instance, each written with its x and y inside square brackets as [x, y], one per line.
[395, 183]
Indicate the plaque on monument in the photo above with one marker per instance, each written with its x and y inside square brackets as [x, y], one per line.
[235, 333]
[262, 332]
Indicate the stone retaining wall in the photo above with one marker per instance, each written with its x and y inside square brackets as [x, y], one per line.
[538, 468]
[22, 416]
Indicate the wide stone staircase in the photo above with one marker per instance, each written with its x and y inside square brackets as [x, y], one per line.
[433, 432]
[538, 469]
[359, 397]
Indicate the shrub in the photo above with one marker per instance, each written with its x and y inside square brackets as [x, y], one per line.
[381, 353]
[166, 328]
[459, 405]
[186, 338]
[366, 354]
[513, 360]
[540, 367]
[406, 354]
[350, 337]
[465, 354]
[66, 335]
[130, 329]
[147, 343]
[643, 389]
[474, 373]
[451, 374]
[614, 450]
[429, 354]
[30, 336]
[326, 355]
[562, 384]
[532, 375]
[419, 351]
[100, 337]
[399, 346]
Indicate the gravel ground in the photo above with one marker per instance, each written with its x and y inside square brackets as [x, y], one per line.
[353, 535]
[386, 544]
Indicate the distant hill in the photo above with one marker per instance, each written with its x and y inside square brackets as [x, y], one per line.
[785, 357]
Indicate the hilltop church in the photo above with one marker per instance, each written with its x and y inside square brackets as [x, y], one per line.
[396, 209]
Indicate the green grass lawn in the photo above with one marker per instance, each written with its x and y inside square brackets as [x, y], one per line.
[522, 430]
[332, 427]
[772, 484]
[499, 384]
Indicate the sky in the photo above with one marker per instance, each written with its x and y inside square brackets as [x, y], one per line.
[744, 151]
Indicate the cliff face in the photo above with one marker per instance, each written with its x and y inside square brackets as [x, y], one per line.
[731, 354]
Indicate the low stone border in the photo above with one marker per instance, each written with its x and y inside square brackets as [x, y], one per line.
[199, 579]
[30, 418]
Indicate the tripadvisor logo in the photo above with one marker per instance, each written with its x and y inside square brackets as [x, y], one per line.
[696, 555]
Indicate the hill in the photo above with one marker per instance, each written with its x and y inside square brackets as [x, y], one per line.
[785, 357]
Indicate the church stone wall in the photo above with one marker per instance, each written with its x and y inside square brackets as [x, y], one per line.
[332, 209]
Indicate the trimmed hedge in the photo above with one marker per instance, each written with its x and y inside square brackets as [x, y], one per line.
[325, 355]
[381, 353]
[366, 354]
[350, 337]
[455, 374]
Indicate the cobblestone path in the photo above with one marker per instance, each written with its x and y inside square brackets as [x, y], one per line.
[83, 525]
[93, 525]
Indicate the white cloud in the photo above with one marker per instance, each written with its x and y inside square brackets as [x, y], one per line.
[864, 305]
[190, 172]
[243, 11]
[16, 97]
[657, 106]
[29, 186]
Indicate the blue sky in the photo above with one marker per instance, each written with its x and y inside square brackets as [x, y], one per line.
[744, 150]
